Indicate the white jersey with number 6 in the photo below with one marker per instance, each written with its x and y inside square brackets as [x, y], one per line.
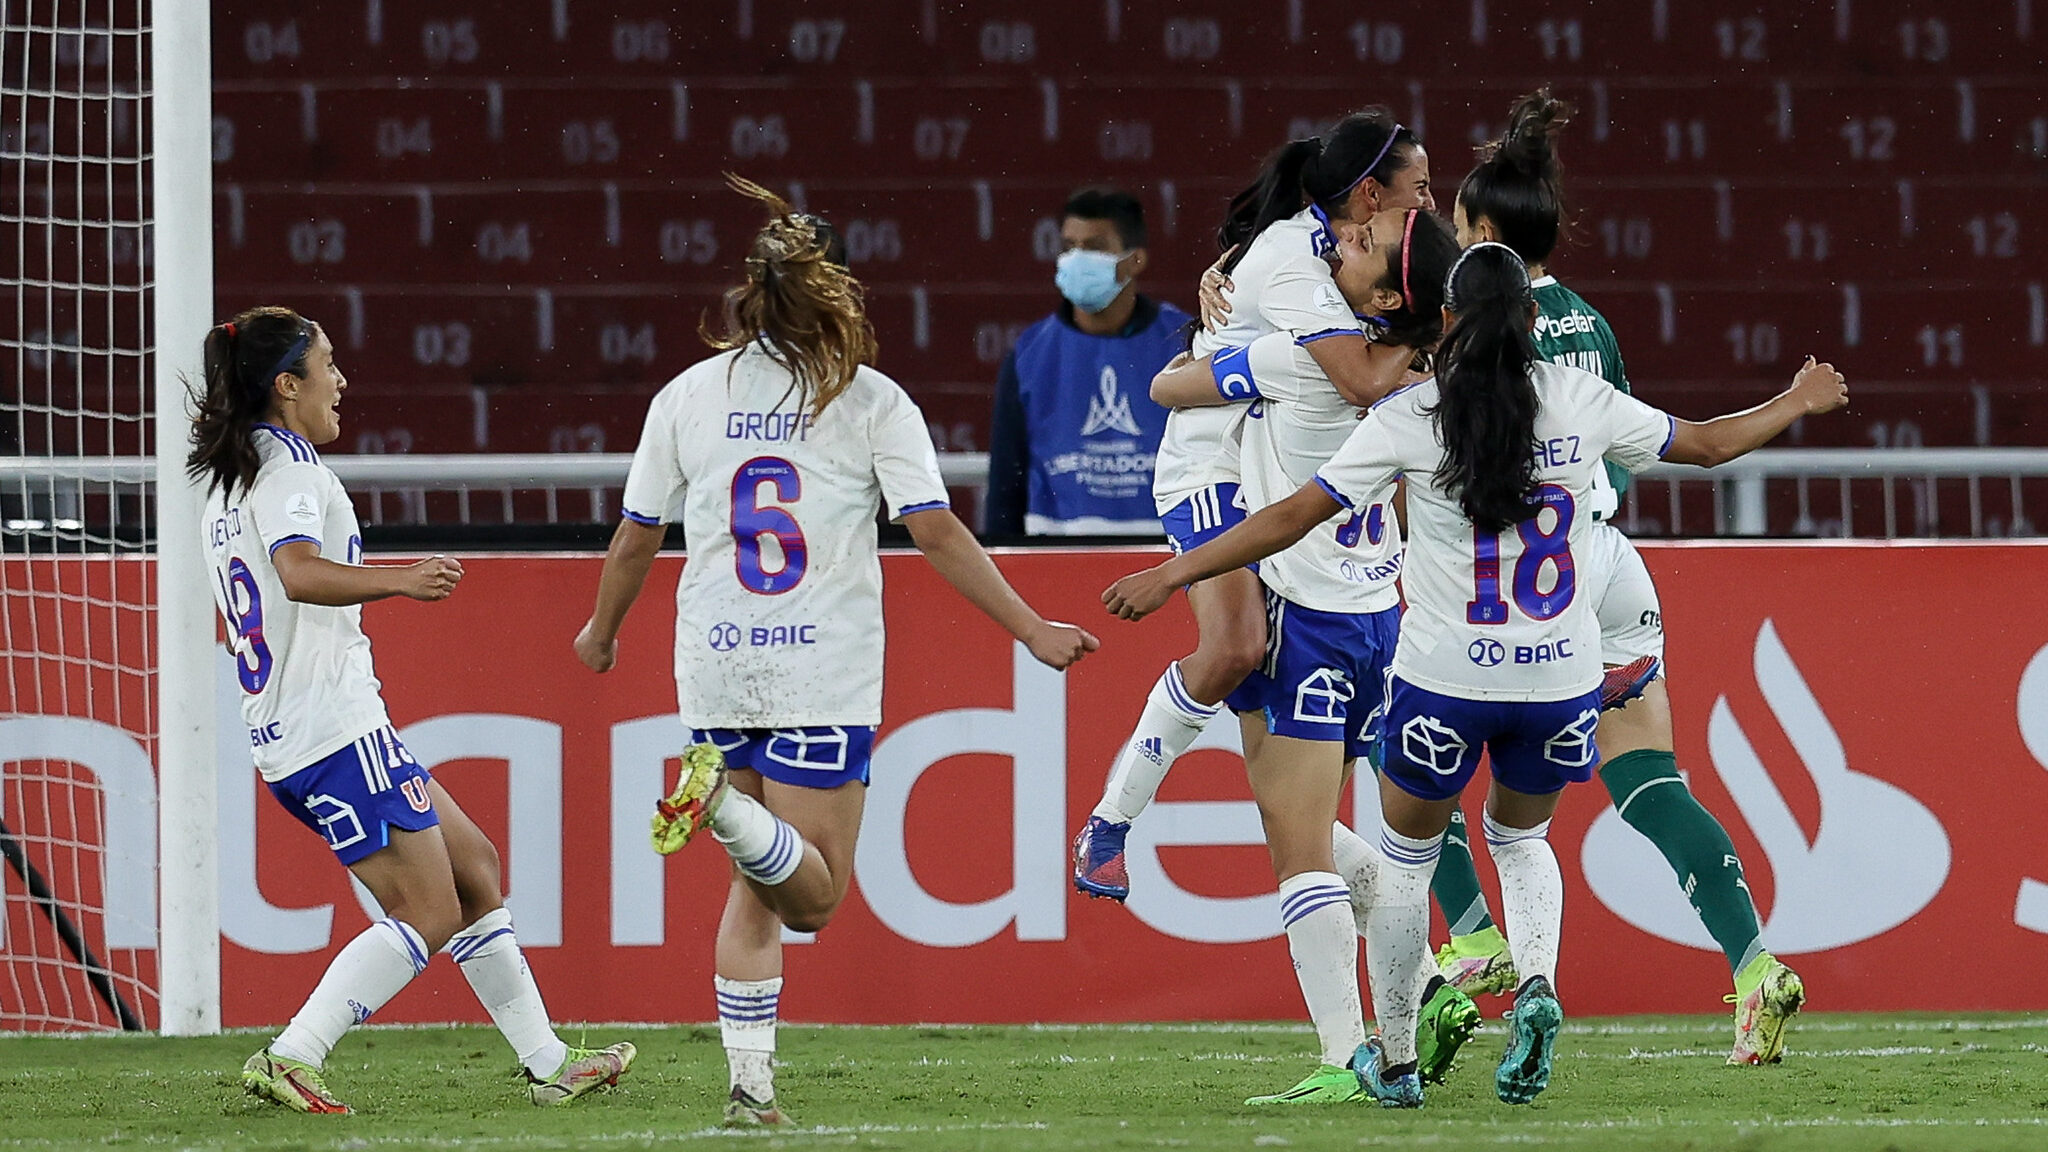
[779, 610]
[308, 689]
[1500, 615]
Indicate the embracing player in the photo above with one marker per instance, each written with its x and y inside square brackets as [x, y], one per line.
[1514, 197]
[290, 583]
[1499, 652]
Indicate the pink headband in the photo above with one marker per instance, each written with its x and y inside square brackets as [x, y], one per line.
[1407, 235]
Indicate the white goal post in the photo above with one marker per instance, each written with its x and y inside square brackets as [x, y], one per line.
[188, 873]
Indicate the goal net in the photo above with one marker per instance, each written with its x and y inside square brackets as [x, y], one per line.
[78, 734]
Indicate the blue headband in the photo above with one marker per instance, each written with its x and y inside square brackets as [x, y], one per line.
[1384, 149]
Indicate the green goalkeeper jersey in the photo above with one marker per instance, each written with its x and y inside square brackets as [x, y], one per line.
[1570, 332]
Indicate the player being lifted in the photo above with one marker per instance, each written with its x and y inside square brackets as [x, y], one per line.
[290, 583]
[1499, 652]
[1278, 241]
[1514, 197]
[1333, 609]
[775, 456]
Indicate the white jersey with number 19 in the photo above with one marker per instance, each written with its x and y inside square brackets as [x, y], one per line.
[779, 610]
[1497, 615]
[308, 688]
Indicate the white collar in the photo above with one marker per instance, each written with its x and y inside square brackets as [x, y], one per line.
[1543, 282]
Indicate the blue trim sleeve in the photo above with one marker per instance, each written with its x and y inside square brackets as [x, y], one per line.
[1325, 334]
[927, 506]
[637, 518]
[1339, 497]
[313, 540]
[1231, 368]
[1670, 437]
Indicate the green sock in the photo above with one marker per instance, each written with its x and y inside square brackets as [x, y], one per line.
[1651, 795]
[1456, 885]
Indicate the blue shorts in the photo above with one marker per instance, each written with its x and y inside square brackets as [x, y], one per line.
[1202, 517]
[1430, 742]
[806, 757]
[1325, 673]
[356, 797]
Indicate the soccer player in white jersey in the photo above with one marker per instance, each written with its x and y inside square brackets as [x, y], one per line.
[1499, 653]
[775, 456]
[1513, 197]
[1279, 239]
[1333, 610]
[290, 583]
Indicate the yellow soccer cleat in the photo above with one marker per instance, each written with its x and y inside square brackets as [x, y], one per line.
[1767, 996]
[292, 1083]
[583, 1070]
[699, 788]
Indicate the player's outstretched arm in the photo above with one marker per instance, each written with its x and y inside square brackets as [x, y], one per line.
[1271, 529]
[1816, 389]
[1188, 382]
[634, 546]
[309, 579]
[959, 557]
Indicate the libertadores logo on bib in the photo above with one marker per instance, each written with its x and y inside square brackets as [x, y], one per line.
[1878, 858]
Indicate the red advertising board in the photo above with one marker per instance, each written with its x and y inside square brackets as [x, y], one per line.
[1872, 732]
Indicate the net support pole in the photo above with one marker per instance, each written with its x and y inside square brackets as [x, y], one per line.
[188, 871]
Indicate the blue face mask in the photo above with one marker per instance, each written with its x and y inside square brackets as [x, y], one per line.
[1087, 278]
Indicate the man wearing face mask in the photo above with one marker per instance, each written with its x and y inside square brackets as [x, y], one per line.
[1075, 429]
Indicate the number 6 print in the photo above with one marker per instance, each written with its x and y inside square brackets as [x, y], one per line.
[751, 521]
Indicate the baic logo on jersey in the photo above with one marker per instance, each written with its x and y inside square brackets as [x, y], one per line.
[1109, 409]
[725, 637]
[1878, 857]
[1486, 653]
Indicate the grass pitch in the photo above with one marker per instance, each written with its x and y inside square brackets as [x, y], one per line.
[1850, 1082]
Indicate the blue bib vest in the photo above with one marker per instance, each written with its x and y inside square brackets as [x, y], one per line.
[1094, 429]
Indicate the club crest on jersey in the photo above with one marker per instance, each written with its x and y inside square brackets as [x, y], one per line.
[1109, 409]
[1434, 744]
[1487, 653]
[302, 508]
[725, 636]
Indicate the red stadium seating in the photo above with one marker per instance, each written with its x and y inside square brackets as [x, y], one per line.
[515, 225]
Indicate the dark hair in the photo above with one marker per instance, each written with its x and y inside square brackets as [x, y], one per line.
[1115, 205]
[828, 236]
[243, 358]
[1417, 270]
[1516, 184]
[1320, 170]
[799, 302]
[1486, 407]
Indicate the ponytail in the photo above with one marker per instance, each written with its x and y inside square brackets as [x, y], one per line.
[1518, 181]
[1321, 170]
[799, 302]
[243, 359]
[1486, 408]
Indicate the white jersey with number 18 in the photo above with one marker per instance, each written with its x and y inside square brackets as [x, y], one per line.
[308, 688]
[1499, 615]
[779, 610]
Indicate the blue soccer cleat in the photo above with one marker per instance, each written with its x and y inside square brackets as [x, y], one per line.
[1625, 682]
[1403, 1090]
[1524, 1070]
[1099, 860]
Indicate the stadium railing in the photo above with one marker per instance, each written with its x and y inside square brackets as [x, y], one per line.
[1777, 491]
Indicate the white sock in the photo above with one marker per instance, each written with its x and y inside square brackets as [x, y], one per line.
[1397, 939]
[746, 1022]
[764, 847]
[364, 976]
[1359, 863]
[1314, 907]
[496, 970]
[1170, 722]
[1531, 895]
